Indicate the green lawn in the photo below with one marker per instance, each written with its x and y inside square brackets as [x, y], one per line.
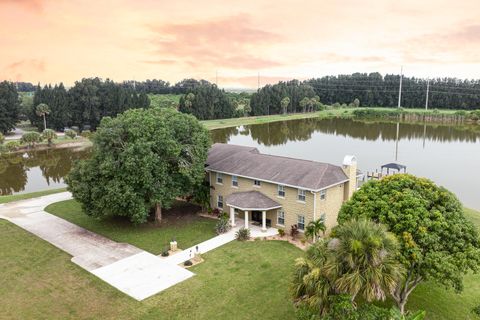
[16, 197]
[180, 223]
[233, 122]
[236, 281]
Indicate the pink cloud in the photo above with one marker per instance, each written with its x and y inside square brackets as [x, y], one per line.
[229, 42]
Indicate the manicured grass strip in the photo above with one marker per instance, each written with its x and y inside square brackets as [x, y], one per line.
[23, 196]
[187, 228]
[237, 281]
[234, 122]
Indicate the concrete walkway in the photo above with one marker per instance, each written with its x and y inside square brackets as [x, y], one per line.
[131, 270]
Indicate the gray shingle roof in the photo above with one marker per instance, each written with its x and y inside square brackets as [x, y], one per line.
[251, 200]
[249, 162]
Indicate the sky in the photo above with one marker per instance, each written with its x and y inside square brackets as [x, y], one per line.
[232, 42]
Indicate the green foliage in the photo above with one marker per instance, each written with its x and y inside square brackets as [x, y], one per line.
[437, 242]
[70, 133]
[12, 145]
[222, 226]
[9, 106]
[188, 263]
[207, 102]
[476, 310]
[281, 232]
[49, 135]
[314, 228]
[86, 134]
[164, 100]
[242, 234]
[165, 253]
[268, 99]
[359, 261]
[142, 159]
[284, 104]
[31, 138]
[2, 138]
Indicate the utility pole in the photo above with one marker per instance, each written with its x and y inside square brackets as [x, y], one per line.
[400, 88]
[426, 100]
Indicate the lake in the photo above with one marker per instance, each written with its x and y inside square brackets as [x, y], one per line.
[449, 155]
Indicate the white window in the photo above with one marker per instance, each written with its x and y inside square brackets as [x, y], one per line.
[234, 181]
[301, 222]
[323, 194]
[280, 217]
[219, 178]
[256, 183]
[281, 191]
[301, 195]
[220, 201]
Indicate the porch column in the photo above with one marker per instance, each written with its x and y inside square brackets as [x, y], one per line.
[264, 221]
[246, 219]
[232, 216]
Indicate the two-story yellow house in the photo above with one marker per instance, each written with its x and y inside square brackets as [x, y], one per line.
[274, 191]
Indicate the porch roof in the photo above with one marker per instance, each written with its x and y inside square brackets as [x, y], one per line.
[251, 200]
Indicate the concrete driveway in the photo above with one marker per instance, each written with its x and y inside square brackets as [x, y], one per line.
[128, 268]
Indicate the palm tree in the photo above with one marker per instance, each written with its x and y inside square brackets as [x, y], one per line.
[284, 104]
[359, 261]
[42, 110]
[314, 228]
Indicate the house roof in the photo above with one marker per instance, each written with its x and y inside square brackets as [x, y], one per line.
[249, 162]
[251, 200]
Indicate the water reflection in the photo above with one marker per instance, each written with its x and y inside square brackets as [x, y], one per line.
[17, 170]
[278, 133]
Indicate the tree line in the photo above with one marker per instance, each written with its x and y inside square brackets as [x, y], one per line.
[84, 104]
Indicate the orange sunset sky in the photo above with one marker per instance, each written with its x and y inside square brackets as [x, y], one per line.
[50, 41]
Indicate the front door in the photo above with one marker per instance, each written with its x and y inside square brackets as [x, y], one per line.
[257, 216]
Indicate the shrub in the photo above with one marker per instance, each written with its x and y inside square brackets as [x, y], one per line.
[69, 133]
[165, 252]
[86, 134]
[12, 145]
[49, 135]
[2, 138]
[188, 263]
[242, 234]
[216, 212]
[281, 232]
[31, 138]
[294, 231]
[222, 225]
[476, 310]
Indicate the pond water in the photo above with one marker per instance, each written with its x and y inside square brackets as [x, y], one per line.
[449, 155]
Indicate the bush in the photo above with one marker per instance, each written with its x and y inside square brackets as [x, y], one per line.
[294, 231]
[12, 145]
[2, 138]
[242, 234]
[281, 232]
[188, 263]
[86, 134]
[31, 138]
[216, 212]
[222, 225]
[165, 252]
[69, 133]
[476, 310]
[49, 135]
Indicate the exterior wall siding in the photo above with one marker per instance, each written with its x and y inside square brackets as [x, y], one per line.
[290, 203]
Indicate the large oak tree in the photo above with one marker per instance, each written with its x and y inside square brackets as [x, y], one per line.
[437, 242]
[141, 161]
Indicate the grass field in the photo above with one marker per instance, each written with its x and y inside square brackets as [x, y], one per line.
[237, 281]
[180, 223]
[23, 196]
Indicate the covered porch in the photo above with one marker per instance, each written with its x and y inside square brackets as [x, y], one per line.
[252, 206]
